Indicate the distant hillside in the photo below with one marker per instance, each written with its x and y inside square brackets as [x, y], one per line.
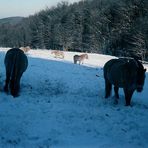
[115, 27]
[11, 20]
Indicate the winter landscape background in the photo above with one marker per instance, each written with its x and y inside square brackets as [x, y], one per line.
[114, 27]
[62, 104]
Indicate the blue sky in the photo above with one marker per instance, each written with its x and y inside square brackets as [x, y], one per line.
[10, 8]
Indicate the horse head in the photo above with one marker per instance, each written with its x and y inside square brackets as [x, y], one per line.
[140, 76]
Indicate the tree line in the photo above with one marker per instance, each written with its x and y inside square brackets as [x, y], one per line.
[115, 27]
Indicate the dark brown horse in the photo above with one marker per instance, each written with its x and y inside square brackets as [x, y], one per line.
[16, 63]
[80, 58]
[125, 73]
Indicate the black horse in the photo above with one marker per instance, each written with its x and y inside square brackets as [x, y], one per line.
[16, 63]
[126, 73]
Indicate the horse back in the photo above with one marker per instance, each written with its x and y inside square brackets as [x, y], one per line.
[80, 57]
[58, 53]
[121, 72]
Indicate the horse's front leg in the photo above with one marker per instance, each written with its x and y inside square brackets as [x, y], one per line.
[128, 96]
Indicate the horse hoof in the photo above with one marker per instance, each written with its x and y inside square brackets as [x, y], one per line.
[106, 96]
[128, 105]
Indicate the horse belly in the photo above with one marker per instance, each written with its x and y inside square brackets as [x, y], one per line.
[117, 78]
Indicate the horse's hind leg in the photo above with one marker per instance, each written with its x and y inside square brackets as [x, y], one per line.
[108, 87]
[116, 91]
[7, 82]
[75, 62]
[116, 94]
[79, 62]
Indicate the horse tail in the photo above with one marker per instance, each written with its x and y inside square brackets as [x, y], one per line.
[14, 76]
[13, 66]
[106, 72]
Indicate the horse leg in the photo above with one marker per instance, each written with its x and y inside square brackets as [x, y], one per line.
[116, 91]
[82, 61]
[7, 82]
[75, 62]
[116, 94]
[128, 96]
[108, 87]
[15, 86]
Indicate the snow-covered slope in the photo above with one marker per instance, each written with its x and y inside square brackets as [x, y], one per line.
[62, 104]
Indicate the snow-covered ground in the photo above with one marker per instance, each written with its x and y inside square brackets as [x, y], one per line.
[62, 105]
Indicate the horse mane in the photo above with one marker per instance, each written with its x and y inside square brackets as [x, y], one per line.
[136, 60]
[140, 66]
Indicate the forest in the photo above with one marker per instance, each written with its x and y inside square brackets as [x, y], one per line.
[113, 27]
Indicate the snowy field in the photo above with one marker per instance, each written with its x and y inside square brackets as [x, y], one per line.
[62, 105]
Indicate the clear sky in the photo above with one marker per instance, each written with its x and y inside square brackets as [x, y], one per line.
[10, 8]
